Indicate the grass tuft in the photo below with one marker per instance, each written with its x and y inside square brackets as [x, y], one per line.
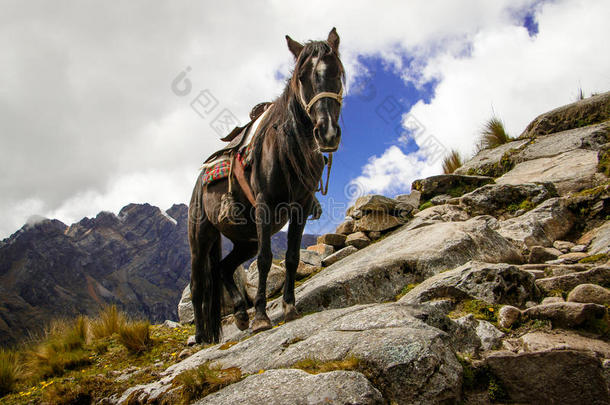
[108, 322]
[405, 290]
[135, 336]
[493, 134]
[452, 162]
[314, 366]
[204, 380]
[9, 371]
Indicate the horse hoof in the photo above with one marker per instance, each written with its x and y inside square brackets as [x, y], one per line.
[259, 325]
[290, 312]
[241, 321]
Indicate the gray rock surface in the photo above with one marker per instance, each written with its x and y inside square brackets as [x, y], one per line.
[334, 239]
[550, 377]
[358, 240]
[600, 239]
[597, 275]
[546, 223]
[275, 280]
[410, 360]
[566, 314]
[346, 227]
[290, 386]
[560, 339]
[339, 255]
[377, 221]
[494, 199]
[563, 245]
[508, 316]
[486, 159]
[453, 184]
[488, 334]
[413, 199]
[590, 293]
[492, 283]
[314, 254]
[541, 254]
[445, 213]
[374, 202]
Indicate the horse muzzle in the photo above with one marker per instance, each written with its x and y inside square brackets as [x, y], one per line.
[327, 135]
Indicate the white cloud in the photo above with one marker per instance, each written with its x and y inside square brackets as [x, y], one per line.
[88, 121]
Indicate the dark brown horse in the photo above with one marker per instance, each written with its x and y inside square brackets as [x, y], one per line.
[285, 171]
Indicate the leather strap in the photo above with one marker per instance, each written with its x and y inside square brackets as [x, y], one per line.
[238, 170]
[325, 94]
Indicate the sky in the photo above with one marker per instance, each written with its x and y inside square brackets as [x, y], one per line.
[96, 113]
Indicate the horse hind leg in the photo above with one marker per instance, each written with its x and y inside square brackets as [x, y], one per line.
[241, 252]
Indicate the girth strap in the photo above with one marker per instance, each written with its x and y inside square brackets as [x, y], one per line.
[238, 170]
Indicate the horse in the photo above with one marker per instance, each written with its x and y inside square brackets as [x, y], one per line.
[287, 165]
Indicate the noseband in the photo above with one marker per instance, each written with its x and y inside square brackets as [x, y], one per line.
[325, 94]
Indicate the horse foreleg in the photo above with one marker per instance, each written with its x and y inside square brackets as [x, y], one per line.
[265, 256]
[298, 219]
[241, 252]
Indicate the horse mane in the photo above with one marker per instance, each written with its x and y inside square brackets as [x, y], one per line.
[291, 128]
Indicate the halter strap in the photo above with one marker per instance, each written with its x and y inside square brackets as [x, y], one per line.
[325, 94]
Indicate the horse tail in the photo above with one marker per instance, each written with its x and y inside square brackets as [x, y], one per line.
[213, 295]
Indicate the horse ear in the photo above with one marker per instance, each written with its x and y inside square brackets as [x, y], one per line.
[333, 40]
[294, 47]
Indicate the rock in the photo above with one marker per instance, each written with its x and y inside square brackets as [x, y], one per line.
[564, 340]
[184, 354]
[346, 227]
[410, 360]
[453, 184]
[561, 376]
[541, 226]
[590, 110]
[488, 334]
[566, 314]
[492, 283]
[551, 300]
[540, 254]
[338, 255]
[445, 213]
[597, 275]
[376, 221]
[491, 162]
[413, 199]
[440, 199]
[358, 240]
[185, 306]
[578, 248]
[590, 293]
[191, 341]
[374, 235]
[306, 270]
[171, 324]
[564, 246]
[334, 239]
[573, 257]
[316, 253]
[496, 199]
[275, 280]
[598, 240]
[508, 316]
[536, 273]
[570, 171]
[377, 203]
[270, 387]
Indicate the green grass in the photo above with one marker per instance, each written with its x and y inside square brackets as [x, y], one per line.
[493, 134]
[405, 290]
[10, 371]
[480, 310]
[204, 380]
[452, 162]
[313, 366]
[425, 205]
[108, 322]
[135, 336]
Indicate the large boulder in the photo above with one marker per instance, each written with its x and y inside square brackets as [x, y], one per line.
[583, 112]
[454, 185]
[185, 306]
[550, 377]
[570, 171]
[541, 226]
[376, 221]
[492, 162]
[492, 283]
[566, 314]
[566, 282]
[592, 293]
[275, 280]
[338, 255]
[598, 239]
[374, 202]
[444, 213]
[496, 199]
[561, 340]
[290, 386]
[410, 360]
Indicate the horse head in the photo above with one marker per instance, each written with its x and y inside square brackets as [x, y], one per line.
[317, 83]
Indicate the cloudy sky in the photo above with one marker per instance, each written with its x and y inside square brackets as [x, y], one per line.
[89, 120]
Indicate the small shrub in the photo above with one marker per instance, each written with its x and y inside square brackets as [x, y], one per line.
[480, 310]
[9, 371]
[135, 336]
[108, 322]
[600, 257]
[452, 162]
[496, 390]
[314, 366]
[493, 134]
[405, 290]
[204, 380]
[425, 205]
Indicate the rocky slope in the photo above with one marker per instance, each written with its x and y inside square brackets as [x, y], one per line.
[488, 285]
[139, 260]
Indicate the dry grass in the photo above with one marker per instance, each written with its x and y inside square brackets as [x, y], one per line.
[452, 162]
[314, 366]
[9, 371]
[135, 336]
[108, 322]
[204, 380]
[493, 134]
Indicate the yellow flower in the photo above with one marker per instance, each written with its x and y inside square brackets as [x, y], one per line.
[261, 371]
[491, 309]
[174, 353]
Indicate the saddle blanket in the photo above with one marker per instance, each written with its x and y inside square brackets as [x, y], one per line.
[220, 167]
